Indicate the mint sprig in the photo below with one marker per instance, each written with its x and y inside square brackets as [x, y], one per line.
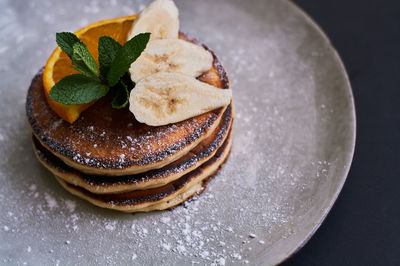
[126, 56]
[121, 97]
[108, 49]
[83, 61]
[78, 89]
[66, 41]
[114, 59]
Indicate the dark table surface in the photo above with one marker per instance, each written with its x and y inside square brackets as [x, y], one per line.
[363, 228]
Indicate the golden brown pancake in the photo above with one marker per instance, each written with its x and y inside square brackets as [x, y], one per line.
[154, 178]
[106, 141]
[160, 198]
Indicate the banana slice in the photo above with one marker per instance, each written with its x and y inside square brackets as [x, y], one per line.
[171, 55]
[165, 98]
[161, 18]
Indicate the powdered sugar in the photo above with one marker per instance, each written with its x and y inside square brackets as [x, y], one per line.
[71, 205]
[51, 201]
[282, 170]
[111, 225]
[166, 246]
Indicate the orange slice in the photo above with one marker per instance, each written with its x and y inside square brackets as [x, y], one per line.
[58, 65]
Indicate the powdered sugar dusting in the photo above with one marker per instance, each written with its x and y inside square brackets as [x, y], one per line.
[51, 201]
[71, 205]
[110, 225]
[281, 173]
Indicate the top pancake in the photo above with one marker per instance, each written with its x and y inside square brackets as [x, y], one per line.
[107, 141]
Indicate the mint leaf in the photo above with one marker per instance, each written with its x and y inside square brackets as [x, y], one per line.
[83, 61]
[121, 97]
[81, 58]
[126, 56]
[66, 41]
[108, 49]
[78, 89]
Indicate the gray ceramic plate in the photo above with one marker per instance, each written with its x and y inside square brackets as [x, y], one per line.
[293, 143]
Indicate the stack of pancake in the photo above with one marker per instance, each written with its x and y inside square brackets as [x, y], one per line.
[111, 160]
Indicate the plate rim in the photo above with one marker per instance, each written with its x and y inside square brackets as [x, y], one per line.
[292, 250]
[353, 121]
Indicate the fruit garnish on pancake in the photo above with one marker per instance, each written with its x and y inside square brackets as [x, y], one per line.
[165, 98]
[91, 84]
[162, 88]
[58, 65]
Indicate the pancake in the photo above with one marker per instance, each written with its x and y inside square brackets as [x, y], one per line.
[161, 198]
[151, 179]
[110, 142]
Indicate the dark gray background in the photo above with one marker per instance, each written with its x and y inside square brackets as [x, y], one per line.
[363, 226]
